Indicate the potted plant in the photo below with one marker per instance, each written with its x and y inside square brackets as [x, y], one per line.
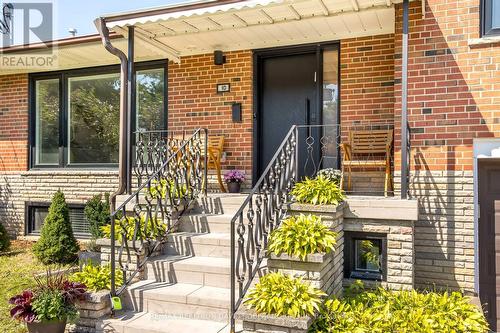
[49, 305]
[233, 179]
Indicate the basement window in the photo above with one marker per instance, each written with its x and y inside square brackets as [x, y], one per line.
[365, 256]
[490, 18]
[36, 212]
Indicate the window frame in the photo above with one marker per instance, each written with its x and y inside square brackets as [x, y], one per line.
[485, 8]
[350, 252]
[63, 77]
[30, 206]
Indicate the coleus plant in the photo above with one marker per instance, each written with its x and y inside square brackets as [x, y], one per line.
[22, 309]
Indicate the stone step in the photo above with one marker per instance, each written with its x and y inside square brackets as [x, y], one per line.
[207, 271]
[206, 223]
[221, 203]
[195, 244]
[143, 322]
[179, 299]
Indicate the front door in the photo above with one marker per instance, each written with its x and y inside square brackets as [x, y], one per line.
[489, 239]
[287, 97]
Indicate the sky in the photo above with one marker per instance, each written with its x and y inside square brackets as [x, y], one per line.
[80, 14]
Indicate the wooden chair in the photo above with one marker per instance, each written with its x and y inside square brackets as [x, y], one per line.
[375, 146]
[215, 149]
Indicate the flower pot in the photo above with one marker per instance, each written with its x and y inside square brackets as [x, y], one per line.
[47, 327]
[233, 187]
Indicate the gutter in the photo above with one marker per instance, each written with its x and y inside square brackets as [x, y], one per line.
[100, 24]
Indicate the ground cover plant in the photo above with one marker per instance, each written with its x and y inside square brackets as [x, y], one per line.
[302, 235]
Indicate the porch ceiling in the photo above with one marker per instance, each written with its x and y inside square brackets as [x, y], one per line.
[180, 31]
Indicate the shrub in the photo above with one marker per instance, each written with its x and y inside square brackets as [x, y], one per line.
[302, 235]
[4, 239]
[282, 295]
[154, 229]
[96, 277]
[163, 186]
[97, 214]
[57, 244]
[331, 174]
[400, 311]
[318, 191]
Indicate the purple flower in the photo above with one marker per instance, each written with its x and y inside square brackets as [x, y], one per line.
[22, 310]
[234, 176]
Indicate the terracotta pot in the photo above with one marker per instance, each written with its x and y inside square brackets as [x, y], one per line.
[233, 187]
[50, 327]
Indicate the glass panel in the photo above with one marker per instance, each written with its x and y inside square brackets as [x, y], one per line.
[330, 106]
[77, 219]
[47, 122]
[150, 101]
[93, 119]
[495, 14]
[368, 255]
[39, 215]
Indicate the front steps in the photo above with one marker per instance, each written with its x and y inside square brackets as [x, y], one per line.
[187, 287]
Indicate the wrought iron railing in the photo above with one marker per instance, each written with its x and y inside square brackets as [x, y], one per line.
[142, 222]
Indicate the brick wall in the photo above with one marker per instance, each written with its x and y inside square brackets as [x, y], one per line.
[193, 101]
[13, 122]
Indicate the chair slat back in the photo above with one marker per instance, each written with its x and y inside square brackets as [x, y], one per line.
[370, 142]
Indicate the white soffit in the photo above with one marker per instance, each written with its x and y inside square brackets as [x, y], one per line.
[258, 24]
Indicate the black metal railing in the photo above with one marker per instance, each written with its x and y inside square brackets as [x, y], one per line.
[142, 222]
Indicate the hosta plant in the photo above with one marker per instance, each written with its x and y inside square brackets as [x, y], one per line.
[302, 235]
[96, 277]
[282, 295]
[127, 226]
[163, 186]
[318, 191]
[404, 311]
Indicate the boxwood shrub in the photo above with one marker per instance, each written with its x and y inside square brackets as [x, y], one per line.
[384, 310]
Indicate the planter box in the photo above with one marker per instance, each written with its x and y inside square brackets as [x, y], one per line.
[321, 270]
[264, 323]
[93, 311]
[332, 215]
[85, 257]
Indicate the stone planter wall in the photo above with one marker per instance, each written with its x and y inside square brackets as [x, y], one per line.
[136, 258]
[263, 323]
[323, 271]
[93, 311]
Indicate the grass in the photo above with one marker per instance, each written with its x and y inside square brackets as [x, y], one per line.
[17, 269]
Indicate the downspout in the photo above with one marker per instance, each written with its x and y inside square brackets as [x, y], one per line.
[100, 24]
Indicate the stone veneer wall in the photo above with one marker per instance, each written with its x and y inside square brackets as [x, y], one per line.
[400, 249]
[444, 232]
[39, 186]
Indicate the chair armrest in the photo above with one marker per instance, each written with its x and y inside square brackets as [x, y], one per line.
[346, 148]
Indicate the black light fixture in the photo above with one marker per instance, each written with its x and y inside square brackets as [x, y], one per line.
[219, 57]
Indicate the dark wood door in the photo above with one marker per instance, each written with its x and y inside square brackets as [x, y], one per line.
[489, 239]
[287, 97]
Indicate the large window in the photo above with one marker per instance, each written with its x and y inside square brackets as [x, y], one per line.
[75, 114]
[490, 17]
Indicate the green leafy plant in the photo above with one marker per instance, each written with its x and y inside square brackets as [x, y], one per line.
[4, 239]
[154, 229]
[331, 174]
[163, 186]
[97, 214]
[302, 235]
[318, 191]
[403, 311]
[57, 244]
[49, 305]
[283, 295]
[96, 277]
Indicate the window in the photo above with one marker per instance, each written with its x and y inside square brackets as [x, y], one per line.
[490, 17]
[36, 213]
[75, 114]
[365, 256]
[330, 106]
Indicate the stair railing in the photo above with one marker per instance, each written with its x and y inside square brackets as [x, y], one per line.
[261, 213]
[143, 221]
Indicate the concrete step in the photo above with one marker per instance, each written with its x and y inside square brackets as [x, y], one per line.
[221, 203]
[206, 223]
[179, 299]
[143, 322]
[206, 271]
[195, 244]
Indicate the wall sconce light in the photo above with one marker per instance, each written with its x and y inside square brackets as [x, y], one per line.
[219, 57]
